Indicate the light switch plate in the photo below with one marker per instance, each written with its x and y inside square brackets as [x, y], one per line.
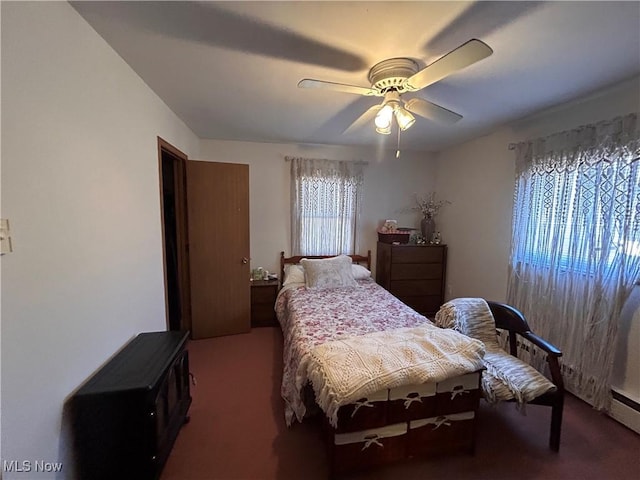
[5, 237]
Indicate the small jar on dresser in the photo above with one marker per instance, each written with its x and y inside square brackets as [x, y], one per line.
[413, 273]
[263, 300]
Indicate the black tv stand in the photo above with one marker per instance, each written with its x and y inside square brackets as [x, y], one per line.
[127, 416]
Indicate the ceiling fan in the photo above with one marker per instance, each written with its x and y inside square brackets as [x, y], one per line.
[393, 77]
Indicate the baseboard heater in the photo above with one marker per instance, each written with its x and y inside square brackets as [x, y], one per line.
[625, 410]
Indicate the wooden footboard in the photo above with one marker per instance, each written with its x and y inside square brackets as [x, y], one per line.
[406, 422]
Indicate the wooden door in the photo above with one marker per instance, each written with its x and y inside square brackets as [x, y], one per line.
[218, 219]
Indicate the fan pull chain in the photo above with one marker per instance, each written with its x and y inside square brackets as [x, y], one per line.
[398, 149]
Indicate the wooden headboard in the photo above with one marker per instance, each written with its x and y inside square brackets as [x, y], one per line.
[294, 260]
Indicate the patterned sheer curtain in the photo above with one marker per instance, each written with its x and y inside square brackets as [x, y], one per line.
[326, 196]
[576, 245]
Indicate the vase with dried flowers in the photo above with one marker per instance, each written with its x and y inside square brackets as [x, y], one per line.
[429, 207]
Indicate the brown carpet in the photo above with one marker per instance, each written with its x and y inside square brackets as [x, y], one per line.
[237, 430]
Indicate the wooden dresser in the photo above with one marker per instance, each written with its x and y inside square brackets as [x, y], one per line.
[413, 273]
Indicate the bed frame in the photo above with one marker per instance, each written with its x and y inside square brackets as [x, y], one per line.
[417, 421]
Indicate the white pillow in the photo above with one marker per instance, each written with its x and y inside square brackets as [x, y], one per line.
[293, 274]
[359, 272]
[331, 272]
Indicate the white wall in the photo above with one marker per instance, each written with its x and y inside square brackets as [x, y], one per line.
[389, 186]
[479, 177]
[80, 187]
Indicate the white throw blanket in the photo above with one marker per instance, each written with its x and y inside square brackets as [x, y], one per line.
[506, 376]
[343, 371]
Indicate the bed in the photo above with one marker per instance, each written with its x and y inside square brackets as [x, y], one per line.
[390, 384]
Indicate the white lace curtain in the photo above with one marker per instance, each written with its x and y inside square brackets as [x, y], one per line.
[326, 198]
[576, 245]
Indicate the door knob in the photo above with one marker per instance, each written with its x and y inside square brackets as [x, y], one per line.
[245, 260]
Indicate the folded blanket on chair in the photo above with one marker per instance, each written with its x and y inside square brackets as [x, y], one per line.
[506, 377]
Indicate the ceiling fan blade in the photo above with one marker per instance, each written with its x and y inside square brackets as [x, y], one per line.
[228, 25]
[362, 120]
[431, 111]
[338, 87]
[466, 54]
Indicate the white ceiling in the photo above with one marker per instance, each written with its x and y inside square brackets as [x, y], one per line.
[230, 70]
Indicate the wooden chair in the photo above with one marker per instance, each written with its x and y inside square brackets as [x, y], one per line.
[513, 321]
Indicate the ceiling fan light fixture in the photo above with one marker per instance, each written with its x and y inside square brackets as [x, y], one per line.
[384, 118]
[394, 76]
[404, 118]
[384, 130]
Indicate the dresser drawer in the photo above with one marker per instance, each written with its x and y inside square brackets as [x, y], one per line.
[418, 255]
[416, 287]
[416, 271]
[264, 294]
[424, 304]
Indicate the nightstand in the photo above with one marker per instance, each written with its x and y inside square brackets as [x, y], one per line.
[263, 299]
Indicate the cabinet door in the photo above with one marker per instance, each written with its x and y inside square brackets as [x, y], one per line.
[218, 224]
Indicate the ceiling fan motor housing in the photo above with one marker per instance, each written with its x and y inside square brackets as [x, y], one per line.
[392, 74]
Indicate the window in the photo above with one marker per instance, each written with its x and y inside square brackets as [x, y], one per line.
[576, 245]
[326, 197]
[577, 218]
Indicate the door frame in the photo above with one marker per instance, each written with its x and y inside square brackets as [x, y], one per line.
[165, 149]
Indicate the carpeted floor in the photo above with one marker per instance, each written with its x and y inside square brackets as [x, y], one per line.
[237, 430]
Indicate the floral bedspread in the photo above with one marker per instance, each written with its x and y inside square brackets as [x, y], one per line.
[311, 317]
